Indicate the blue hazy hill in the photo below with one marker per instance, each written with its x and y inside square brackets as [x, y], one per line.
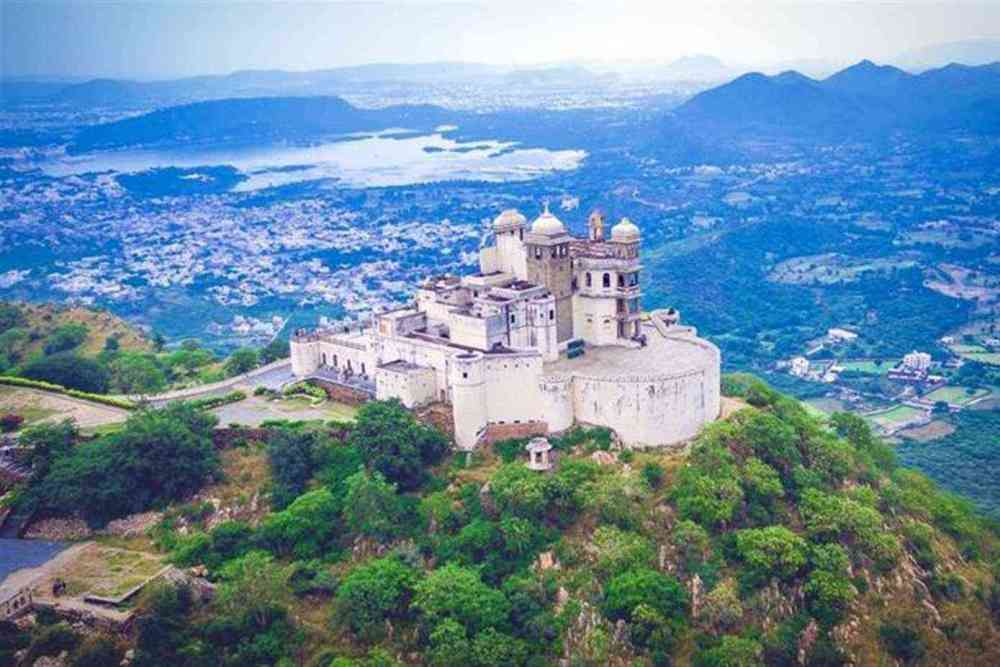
[863, 99]
[252, 120]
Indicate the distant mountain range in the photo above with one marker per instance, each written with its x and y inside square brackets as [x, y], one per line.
[249, 83]
[966, 52]
[861, 100]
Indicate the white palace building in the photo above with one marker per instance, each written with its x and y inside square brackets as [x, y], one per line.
[549, 332]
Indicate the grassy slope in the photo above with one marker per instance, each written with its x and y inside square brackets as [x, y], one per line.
[102, 325]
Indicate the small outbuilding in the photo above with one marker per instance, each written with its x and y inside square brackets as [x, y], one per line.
[539, 454]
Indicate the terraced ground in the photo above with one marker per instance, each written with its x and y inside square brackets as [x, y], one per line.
[956, 395]
[869, 366]
[895, 416]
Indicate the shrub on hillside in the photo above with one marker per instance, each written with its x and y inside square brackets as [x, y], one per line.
[374, 592]
[395, 444]
[642, 586]
[10, 423]
[69, 370]
[65, 338]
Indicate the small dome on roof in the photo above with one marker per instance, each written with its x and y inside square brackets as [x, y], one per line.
[547, 224]
[510, 218]
[625, 232]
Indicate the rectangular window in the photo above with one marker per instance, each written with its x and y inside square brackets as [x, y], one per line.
[512, 319]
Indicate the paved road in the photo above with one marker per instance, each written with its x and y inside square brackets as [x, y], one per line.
[273, 377]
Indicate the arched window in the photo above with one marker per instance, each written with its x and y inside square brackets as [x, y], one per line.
[607, 280]
[590, 281]
[621, 280]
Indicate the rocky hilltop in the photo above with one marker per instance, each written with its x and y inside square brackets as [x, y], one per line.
[778, 537]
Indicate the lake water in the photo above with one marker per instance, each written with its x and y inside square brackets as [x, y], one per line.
[389, 158]
[19, 554]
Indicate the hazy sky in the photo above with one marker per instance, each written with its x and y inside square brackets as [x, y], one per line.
[163, 38]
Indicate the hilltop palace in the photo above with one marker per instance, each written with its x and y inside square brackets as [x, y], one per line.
[549, 333]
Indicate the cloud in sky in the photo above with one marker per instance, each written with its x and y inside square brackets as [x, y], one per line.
[163, 38]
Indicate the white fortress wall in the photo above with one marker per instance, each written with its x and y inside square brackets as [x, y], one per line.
[512, 388]
[355, 354]
[557, 402]
[478, 332]
[305, 357]
[413, 386]
[468, 398]
[644, 412]
[420, 353]
[595, 320]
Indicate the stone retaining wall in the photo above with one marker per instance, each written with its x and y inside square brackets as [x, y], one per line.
[497, 432]
[342, 393]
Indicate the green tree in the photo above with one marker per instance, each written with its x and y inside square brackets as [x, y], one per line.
[49, 442]
[458, 593]
[732, 651]
[372, 507]
[276, 349]
[619, 550]
[304, 528]
[643, 586]
[65, 337]
[904, 642]
[293, 456]
[158, 456]
[371, 593]
[449, 645]
[692, 543]
[137, 374]
[723, 608]
[253, 585]
[769, 552]
[762, 488]
[395, 444]
[14, 344]
[97, 651]
[773, 441]
[11, 316]
[241, 361]
[491, 648]
[69, 370]
[518, 491]
[707, 497]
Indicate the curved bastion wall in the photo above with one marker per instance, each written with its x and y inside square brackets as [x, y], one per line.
[648, 411]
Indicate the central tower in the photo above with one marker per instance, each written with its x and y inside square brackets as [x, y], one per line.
[550, 264]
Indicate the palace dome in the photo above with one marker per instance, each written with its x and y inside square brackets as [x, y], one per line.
[625, 232]
[548, 225]
[508, 219]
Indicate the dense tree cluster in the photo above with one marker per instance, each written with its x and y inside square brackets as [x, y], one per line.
[158, 456]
